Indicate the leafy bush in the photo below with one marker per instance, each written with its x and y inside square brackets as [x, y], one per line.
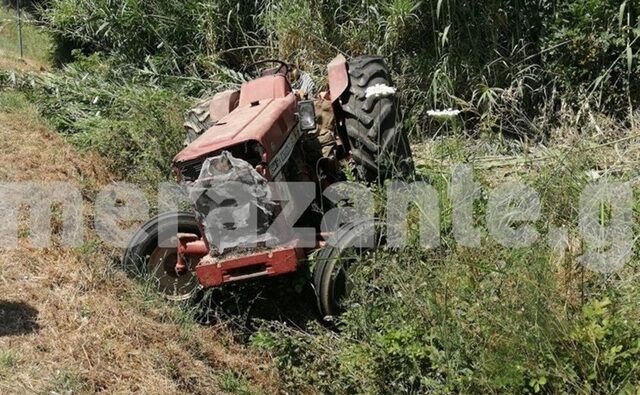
[167, 37]
[594, 48]
[442, 54]
[475, 320]
[505, 64]
[135, 125]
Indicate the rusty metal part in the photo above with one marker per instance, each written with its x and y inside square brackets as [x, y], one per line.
[189, 245]
[174, 285]
[213, 272]
[338, 77]
[223, 103]
[265, 114]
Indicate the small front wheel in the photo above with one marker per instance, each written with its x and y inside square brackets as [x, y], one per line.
[334, 264]
[153, 251]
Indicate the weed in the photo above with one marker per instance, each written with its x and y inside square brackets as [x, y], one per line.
[68, 382]
[12, 101]
[137, 127]
[474, 320]
[7, 360]
[235, 384]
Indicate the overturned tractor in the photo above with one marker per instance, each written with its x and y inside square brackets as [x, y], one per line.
[256, 163]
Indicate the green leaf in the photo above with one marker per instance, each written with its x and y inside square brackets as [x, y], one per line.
[445, 35]
[621, 14]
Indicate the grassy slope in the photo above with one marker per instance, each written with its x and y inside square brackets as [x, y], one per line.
[488, 319]
[35, 45]
[121, 344]
[73, 323]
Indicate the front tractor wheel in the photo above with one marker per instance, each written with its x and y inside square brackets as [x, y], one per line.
[335, 263]
[153, 251]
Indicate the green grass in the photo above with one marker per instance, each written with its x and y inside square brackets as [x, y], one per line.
[488, 319]
[7, 360]
[236, 384]
[68, 382]
[36, 43]
[135, 125]
[452, 149]
[12, 101]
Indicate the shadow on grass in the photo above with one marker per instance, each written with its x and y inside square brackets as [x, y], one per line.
[17, 318]
[288, 299]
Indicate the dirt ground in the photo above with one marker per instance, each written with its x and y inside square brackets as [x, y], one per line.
[72, 322]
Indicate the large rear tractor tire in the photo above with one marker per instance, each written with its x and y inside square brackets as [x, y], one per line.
[197, 121]
[373, 122]
[155, 261]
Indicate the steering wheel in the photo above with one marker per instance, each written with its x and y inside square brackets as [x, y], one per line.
[283, 67]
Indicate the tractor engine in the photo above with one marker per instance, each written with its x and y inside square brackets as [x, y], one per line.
[235, 208]
[233, 203]
[227, 171]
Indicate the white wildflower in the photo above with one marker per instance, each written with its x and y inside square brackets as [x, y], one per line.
[449, 113]
[380, 90]
[593, 175]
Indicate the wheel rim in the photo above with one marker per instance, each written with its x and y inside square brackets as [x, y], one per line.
[341, 284]
[174, 286]
[335, 271]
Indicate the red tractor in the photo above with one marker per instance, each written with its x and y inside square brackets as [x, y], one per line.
[241, 142]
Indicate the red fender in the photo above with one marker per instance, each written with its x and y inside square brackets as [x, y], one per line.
[338, 77]
[223, 103]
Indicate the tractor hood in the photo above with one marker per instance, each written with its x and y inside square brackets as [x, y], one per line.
[266, 118]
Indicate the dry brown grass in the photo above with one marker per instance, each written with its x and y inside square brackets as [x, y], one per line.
[70, 322]
[11, 63]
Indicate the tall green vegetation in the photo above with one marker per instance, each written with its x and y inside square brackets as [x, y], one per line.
[509, 65]
[133, 123]
[479, 320]
[168, 37]
[601, 58]
[504, 62]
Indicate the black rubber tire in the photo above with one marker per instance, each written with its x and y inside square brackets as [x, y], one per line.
[145, 242]
[379, 146]
[330, 273]
[197, 121]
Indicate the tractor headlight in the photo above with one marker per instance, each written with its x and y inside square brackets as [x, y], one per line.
[306, 115]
